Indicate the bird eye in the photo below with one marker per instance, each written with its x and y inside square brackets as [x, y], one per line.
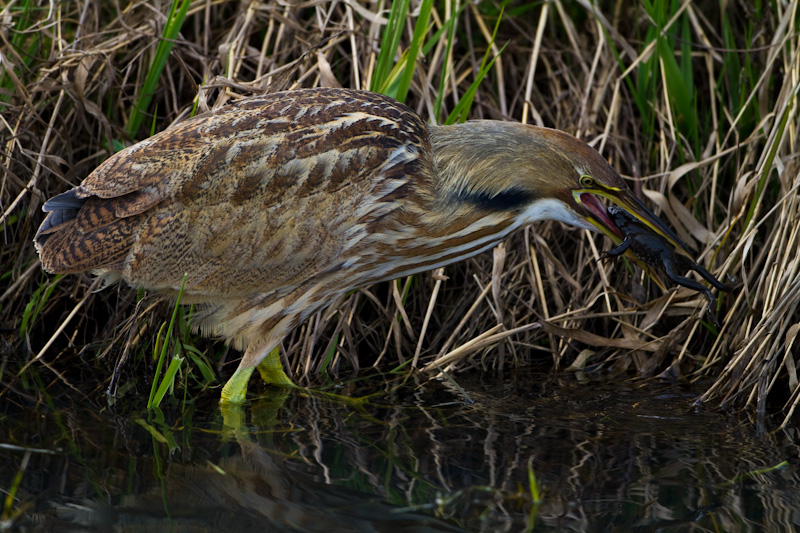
[587, 181]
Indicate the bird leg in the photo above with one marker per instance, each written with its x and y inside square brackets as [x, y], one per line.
[271, 370]
[235, 389]
[267, 360]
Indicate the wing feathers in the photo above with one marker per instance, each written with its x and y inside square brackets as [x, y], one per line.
[262, 194]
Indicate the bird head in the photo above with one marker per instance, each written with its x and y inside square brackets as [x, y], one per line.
[540, 172]
[598, 179]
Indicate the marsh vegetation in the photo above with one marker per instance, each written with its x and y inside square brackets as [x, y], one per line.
[695, 104]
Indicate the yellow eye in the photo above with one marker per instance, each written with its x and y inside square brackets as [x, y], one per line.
[587, 182]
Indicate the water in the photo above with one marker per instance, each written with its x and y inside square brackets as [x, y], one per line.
[410, 456]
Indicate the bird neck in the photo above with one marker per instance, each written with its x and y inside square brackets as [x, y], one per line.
[477, 167]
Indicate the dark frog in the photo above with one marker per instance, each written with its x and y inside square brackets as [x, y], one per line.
[654, 250]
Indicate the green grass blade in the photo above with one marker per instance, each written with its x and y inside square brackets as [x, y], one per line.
[36, 304]
[177, 16]
[329, 355]
[392, 82]
[679, 83]
[201, 362]
[163, 351]
[461, 111]
[168, 381]
[389, 44]
[420, 30]
[450, 27]
[159, 351]
[767, 168]
[536, 495]
[24, 45]
[533, 484]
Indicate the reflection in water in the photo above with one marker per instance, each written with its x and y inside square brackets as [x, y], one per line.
[250, 492]
[416, 457]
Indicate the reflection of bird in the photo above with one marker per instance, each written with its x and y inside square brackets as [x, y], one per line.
[276, 205]
[253, 491]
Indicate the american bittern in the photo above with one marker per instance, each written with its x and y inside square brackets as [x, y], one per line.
[274, 206]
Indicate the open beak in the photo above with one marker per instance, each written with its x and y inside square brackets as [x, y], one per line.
[595, 213]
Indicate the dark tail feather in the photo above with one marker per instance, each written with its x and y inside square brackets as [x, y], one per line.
[66, 200]
[61, 209]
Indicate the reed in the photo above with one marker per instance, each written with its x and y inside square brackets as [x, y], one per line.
[698, 109]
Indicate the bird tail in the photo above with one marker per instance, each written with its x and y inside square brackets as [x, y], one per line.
[81, 234]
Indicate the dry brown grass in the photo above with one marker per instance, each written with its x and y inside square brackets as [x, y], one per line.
[72, 72]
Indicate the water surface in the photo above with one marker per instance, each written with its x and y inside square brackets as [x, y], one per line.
[411, 455]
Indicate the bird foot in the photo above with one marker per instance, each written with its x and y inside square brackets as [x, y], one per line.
[271, 370]
[235, 390]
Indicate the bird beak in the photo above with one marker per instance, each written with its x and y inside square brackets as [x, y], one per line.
[625, 199]
[595, 213]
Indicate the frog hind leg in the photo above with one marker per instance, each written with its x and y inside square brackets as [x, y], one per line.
[695, 286]
[710, 278]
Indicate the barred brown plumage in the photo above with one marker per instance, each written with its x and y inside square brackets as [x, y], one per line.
[276, 205]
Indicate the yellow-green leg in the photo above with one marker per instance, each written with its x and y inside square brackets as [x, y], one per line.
[235, 390]
[271, 370]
